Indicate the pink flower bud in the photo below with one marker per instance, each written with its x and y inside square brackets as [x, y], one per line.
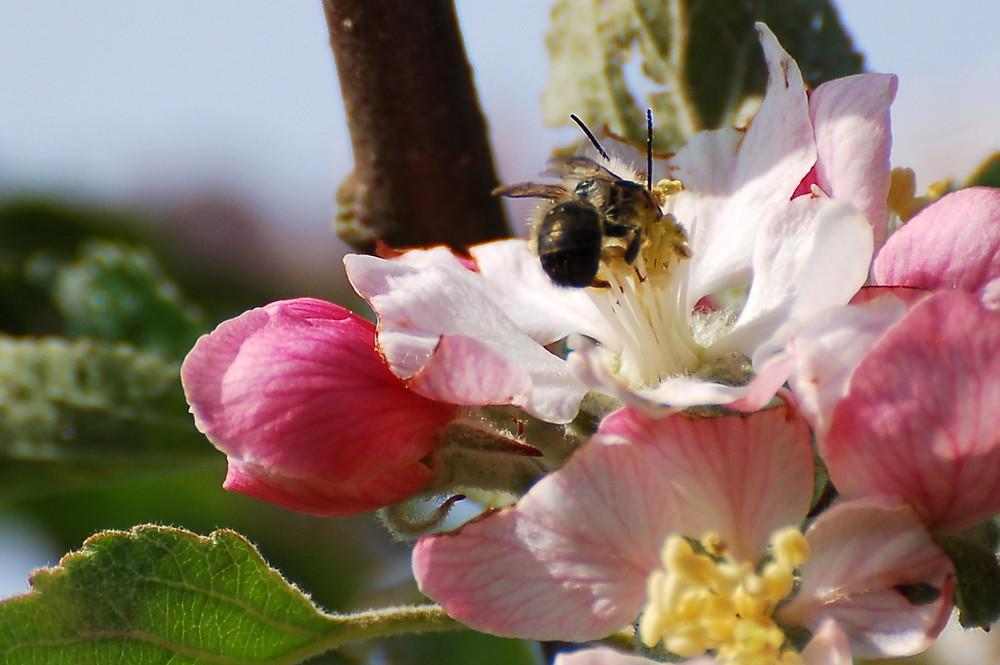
[306, 410]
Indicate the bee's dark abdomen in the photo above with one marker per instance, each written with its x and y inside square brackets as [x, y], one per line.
[570, 239]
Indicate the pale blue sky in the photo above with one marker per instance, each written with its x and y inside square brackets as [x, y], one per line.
[116, 98]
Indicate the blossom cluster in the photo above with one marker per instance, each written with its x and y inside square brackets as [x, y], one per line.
[745, 456]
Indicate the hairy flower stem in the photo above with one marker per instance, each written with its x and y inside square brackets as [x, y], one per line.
[386, 622]
[423, 167]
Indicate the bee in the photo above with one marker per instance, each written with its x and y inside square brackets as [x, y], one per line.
[594, 217]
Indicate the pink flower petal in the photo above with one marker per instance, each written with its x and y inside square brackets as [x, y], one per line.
[296, 395]
[570, 560]
[866, 554]
[828, 646]
[318, 495]
[740, 476]
[735, 180]
[826, 351]
[850, 117]
[418, 306]
[952, 244]
[920, 420]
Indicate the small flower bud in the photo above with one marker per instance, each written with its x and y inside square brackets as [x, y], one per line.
[306, 410]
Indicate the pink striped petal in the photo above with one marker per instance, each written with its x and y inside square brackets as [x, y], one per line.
[920, 420]
[871, 560]
[606, 656]
[570, 560]
[828, 646]
[952, 244]
[740, 476]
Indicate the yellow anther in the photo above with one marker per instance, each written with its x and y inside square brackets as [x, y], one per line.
[750, 582]
[703, 602]
[667, 188]
[714, 544]
[789, 547]
[679, 556]
[902, 198]
[686, 646]
[778, 580]
[750, 607]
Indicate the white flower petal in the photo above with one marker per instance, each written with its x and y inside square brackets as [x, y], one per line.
[417, 306]
[734, 181]
[537, 306]
[813, 253]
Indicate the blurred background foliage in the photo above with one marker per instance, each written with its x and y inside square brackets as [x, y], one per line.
[97, 313]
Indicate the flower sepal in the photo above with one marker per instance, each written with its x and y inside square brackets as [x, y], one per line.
[483, 455]
[977, 574]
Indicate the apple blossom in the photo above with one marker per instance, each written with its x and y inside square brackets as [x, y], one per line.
[483, 336]
[908, 409]
[688, 528]
[902, 390]
[307, 412]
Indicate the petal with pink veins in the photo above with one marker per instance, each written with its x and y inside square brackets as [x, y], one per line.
[877, 572]
[850, 118]
[920, 418]
[827, 349]
[952, 244]
[571, 559]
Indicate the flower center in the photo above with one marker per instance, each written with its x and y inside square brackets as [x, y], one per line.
[645, 300]
[701, 600]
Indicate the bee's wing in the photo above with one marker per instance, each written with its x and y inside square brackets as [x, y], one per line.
[579, 168]
[535, 189]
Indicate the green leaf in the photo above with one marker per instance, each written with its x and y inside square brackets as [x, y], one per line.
[118, 293]
[988, 173]
[157, 595]
[700, 62]
[76, 411]
[977, 578]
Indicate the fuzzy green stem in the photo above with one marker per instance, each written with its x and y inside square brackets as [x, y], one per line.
[349, 628]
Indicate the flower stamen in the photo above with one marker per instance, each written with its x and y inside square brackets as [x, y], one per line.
[701, 600]
[645, 301]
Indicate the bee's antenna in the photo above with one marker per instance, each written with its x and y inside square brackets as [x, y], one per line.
[590, 135]
[649, 149]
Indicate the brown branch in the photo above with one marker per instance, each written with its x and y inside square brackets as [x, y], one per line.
[423, 169]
